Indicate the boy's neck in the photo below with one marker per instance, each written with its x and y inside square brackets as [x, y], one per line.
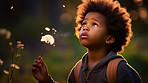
[96, 55]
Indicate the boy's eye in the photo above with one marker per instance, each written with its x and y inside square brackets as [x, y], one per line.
[83, 24]
[95, 25]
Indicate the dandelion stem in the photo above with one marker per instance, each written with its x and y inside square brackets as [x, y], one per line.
[11, 69]
[43, 49]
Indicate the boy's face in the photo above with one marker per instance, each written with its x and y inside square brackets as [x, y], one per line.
[93, 32]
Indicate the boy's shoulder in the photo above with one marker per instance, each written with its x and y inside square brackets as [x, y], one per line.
[128, 74]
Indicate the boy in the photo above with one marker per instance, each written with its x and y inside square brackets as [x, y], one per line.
[104, 28]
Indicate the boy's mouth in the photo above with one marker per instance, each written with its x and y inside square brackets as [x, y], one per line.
[83, 35]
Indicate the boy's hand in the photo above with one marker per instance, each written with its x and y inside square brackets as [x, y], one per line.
[39, 70]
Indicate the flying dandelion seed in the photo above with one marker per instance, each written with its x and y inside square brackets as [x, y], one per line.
[1, 62]
[12, 7]
[53, 29]
[6, 72]
[41, 33]
[47, 28]
[48, 39]
[64, 6]
[15, 66]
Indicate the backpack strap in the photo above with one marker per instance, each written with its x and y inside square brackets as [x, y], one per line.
[76, 70]
[111, 72]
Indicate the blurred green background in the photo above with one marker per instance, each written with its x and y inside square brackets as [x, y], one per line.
[26, 20]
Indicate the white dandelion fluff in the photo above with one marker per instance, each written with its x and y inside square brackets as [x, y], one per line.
[64, 6]
[48, 39]
[47, 28]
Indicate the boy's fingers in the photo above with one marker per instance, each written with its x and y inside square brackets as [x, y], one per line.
[39, 57]
[42, 62]
[34, 69]
[37, 65]
[36, 60]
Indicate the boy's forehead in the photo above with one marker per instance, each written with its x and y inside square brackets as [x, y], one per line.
[94, 16]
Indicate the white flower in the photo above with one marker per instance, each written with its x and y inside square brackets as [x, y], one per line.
[48, 39]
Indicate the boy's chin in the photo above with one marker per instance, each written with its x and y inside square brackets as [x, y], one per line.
[84, 44]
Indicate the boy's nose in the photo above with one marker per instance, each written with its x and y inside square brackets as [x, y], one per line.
[86, 28]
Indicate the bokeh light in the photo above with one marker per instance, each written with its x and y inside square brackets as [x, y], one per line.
[134, 14]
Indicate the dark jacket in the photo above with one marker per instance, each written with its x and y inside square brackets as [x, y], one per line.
[126, 74]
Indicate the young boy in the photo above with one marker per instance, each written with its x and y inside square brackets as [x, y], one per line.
[104, 28]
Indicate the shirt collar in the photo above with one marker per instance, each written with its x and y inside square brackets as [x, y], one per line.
[110, 56]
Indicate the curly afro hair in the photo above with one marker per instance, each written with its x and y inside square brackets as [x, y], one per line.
[118, 20]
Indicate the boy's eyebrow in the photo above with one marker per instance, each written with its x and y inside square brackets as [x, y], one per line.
[93, 19]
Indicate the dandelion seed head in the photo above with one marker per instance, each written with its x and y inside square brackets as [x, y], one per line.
[1, 62]
[47, 28]
[48, 39]
[6, 72]
[15, 66]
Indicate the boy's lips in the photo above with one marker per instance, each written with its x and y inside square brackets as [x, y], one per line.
[83, 35]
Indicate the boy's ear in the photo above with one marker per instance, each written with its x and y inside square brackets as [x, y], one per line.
[110, 39]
